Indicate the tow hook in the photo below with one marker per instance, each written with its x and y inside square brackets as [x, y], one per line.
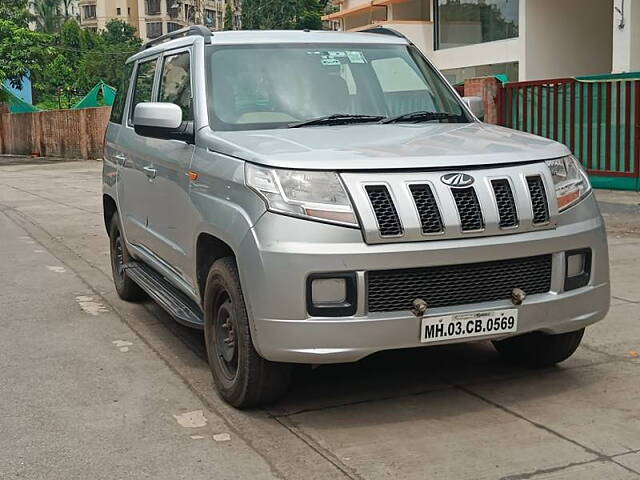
[419, 307]
[518, 296]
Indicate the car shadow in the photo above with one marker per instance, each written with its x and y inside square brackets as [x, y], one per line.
[392, 374]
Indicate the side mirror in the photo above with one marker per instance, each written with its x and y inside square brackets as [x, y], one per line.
[161, 120]
[476, 105]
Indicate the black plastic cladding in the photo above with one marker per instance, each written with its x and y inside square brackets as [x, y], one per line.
[506, 203]
[451, 285]
[469, 209]
[538, 200]
[430, 218]
[385, 210]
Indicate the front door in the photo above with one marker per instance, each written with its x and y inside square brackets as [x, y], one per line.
[170, 227]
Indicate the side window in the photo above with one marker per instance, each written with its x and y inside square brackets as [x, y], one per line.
[117, 110]
[144, 84]
[403, 88]
[175, 83]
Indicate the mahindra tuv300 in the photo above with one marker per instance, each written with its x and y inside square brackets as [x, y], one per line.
[315, 197]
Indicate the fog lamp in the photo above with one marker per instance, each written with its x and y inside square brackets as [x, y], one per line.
[575, 265]
[328, 290]
[577, 268]
[331, 294]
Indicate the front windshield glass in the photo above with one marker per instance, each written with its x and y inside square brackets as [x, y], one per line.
[276, 86]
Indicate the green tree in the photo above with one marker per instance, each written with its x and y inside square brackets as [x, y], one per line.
[106, 59]
[23, 53]
[16, 11]
[66, 9]
[47, 15]
[228, 17]
[282, 14]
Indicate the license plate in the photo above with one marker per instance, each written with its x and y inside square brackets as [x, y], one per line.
[466, 325]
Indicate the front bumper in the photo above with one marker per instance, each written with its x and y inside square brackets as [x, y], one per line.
[280, 252]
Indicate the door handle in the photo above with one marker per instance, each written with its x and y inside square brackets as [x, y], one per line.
[121, 159]
[150, 172]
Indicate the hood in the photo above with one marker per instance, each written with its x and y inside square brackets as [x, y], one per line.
[377, 147]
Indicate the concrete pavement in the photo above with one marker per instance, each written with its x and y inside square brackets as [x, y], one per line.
[446, 412]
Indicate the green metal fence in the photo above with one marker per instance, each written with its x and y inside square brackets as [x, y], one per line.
[597, 117]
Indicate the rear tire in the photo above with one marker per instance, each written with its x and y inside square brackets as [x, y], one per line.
[243, 378]
[539, 350]
[126, 288]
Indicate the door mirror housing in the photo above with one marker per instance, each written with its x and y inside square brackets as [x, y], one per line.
[161, 120]
[476, 105]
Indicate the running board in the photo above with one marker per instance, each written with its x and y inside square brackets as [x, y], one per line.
[176, 303]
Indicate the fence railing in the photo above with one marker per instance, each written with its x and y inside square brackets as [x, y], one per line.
[597, 118]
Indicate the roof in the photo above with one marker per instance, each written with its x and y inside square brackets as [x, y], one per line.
[253, 37]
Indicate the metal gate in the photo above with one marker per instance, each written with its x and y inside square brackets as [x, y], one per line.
[597, 117]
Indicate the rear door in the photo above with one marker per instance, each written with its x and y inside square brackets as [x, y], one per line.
[113, 155]
[135, 179]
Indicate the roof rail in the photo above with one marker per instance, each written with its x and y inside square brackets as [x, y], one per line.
[384, 31]
[193, 30]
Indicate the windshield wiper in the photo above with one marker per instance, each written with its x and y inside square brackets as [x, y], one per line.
[420, 116]
[337, 119]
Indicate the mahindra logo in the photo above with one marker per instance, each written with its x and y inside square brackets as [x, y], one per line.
[457, 179]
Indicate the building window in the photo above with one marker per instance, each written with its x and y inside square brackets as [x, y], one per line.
[89, 12]
[173, 8]
[209, 17]
[152, 7]
[468, 22]
[118, 11]
[172, 26]
[508, 71]
[154, 29]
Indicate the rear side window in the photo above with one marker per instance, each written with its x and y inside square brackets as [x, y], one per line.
[143, 89]
[175, 83]
[117, 111]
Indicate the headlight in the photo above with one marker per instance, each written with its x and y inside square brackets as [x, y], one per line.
[570, 181]
[306, 194]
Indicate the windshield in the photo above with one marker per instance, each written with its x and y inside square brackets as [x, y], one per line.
[276, 86]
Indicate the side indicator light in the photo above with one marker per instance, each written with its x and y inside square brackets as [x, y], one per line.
[193, 176]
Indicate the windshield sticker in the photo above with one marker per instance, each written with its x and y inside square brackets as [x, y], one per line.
[356, 57]
[329, 61]
[335, 54]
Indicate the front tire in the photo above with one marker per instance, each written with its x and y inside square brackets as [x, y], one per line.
[126, 288]
[539, 350]
[243, 378]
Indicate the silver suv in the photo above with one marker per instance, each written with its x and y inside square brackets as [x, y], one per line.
[315, 197]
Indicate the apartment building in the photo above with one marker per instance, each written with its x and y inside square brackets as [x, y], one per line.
[520, 39]
[153, 18]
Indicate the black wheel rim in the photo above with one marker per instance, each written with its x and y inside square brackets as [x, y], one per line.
[226, 336]
[118, 255]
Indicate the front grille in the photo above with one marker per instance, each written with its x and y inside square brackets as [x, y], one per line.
[445, 286]
[385, 211]
[506, 204]
[468, 208]
[538, 199]
[430, 218]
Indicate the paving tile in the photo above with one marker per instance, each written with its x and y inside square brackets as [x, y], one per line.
[589, 471]
[619, 333]
[596, 406]
[630, 460]
[446, 434]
